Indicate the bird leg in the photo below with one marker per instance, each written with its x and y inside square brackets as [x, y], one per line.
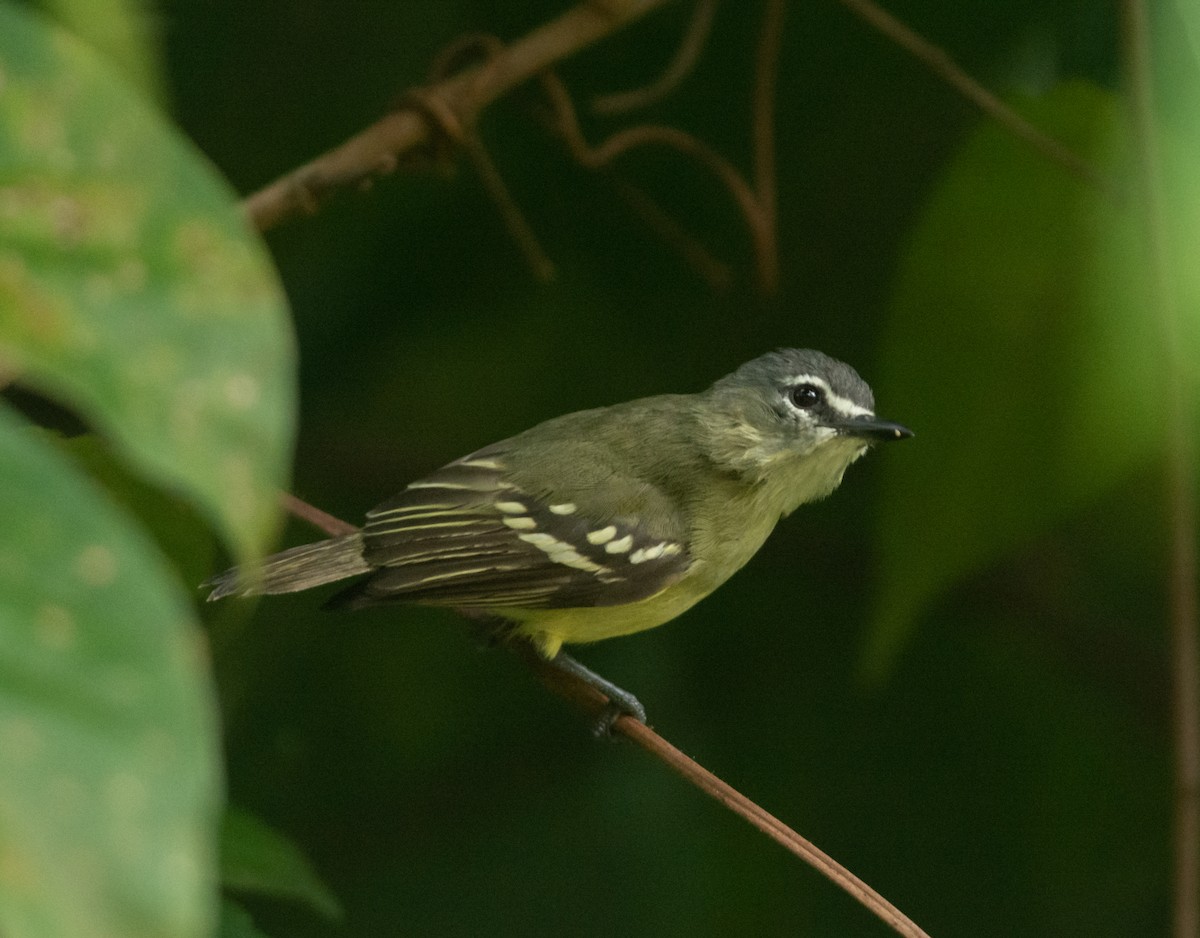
[619, 701]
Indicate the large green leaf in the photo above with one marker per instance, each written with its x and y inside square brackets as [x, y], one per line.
[1021, 349]
[108, 783]
[131, 287]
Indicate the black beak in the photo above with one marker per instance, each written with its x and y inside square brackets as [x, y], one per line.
[873, 428]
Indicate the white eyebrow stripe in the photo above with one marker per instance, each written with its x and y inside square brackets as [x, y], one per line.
[843, 405]
[847, 407]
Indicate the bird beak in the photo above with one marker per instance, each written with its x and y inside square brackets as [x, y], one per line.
[872, 428]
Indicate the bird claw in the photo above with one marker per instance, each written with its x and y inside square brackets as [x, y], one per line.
[614, 710]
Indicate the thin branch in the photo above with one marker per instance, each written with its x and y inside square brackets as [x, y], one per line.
[600, 156]
[713, 271]
[694, 40]
[942, 65]
[757, 205]
[299, 508]
[655, 135]
[762, 233]
[445, 110]
[379, 150]
[1181, 476]
[453, 57]
[514, 219]
[593, 702]
[463, 52]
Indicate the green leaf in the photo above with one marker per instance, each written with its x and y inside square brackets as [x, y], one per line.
[1019, 349]
[132, 289]
[257, 858]
[108, 780]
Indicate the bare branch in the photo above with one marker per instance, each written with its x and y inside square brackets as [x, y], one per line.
[593, 702]
[602, 155]
[467, 138]
[940, 63]
[654, 135]
[298, 507]
[716, 273]
[378, 150]
[686, 56]
[448, 109]
[514, 220]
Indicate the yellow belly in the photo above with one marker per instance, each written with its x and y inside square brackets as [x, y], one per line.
[550, 629]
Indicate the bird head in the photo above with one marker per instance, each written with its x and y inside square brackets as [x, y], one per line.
[795, 415]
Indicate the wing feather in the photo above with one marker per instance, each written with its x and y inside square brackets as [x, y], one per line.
[468, 536]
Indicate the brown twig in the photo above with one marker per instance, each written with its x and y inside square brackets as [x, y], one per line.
[379, 149]
[756, 204]
[298, 507]
[603, 154]
[466, 137]
[518, 226]
[758, 224]
[593, 702]
[1181, 475]
[942, 65]
[565, 122]
[654, 135]
[461, 52]
[713, 271]
[686, 55]
[448, 108]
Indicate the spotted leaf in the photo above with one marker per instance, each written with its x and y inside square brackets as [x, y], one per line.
[131, 288]
[108, 781]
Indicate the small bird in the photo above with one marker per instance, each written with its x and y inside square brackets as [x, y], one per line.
[602, 522]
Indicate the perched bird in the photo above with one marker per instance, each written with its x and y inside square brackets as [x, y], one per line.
[602, 522]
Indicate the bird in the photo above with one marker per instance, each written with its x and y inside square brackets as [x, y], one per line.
[602, 522]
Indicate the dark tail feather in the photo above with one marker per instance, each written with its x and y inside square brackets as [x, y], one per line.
[296, 569]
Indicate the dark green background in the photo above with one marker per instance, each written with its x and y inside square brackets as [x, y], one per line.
[1010, 777]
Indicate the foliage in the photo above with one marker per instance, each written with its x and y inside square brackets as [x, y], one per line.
[1045, 334]
[131, 291]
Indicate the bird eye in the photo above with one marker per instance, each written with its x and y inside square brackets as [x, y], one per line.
[805, 396]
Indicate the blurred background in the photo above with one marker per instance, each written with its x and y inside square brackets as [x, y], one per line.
[1001, 767]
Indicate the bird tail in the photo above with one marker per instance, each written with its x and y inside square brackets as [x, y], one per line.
[298, 568]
